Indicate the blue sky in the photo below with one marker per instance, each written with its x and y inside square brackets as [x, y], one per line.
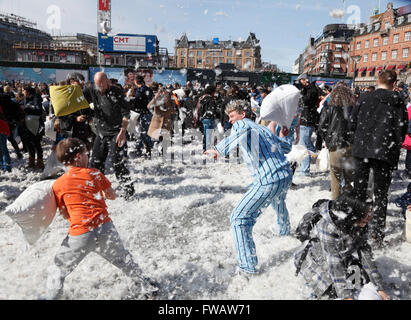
[282, 26]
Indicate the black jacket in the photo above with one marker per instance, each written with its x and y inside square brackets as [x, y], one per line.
[379, 124]
[334, 127]
[309, 114]
[11, 109]
[208, 108]
[109, 109]
[142, 98]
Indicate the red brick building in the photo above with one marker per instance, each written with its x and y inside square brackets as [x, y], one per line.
[329, 53]
[382, 44]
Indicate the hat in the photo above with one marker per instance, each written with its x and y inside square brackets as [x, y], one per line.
[302, 76]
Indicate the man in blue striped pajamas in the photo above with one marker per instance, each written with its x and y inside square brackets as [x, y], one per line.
[263, 154]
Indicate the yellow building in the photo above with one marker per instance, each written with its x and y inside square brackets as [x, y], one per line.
[200, 54]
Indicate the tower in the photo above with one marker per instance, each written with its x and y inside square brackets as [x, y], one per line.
[103, 21]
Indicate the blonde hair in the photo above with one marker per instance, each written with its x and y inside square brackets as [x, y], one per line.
[239, 106]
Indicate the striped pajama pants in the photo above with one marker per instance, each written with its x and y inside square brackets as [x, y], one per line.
[245, 214]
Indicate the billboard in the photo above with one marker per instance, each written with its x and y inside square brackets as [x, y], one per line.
[38, 74]
[127, 43]
[125, 75]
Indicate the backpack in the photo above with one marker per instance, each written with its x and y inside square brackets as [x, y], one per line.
[308, 221]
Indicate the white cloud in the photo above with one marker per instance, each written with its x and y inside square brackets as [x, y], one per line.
[337, 13]
[221, 13]
[205, 12]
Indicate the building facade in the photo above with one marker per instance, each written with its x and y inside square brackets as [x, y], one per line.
[328, 55]
[200, 54]
[13, 29]
[383, 44]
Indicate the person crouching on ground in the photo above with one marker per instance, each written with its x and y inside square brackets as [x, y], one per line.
[336, 262]
[263, 154]
[80, 194]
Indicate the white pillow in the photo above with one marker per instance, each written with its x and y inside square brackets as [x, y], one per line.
[281, 105]
[298, 153]
[34, 210]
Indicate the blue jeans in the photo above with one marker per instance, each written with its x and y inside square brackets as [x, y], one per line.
[245, 214]
[5, 161]
[305, 140]
[145, 120]
[208, 129]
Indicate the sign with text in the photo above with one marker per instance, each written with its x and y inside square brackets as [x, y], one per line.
[128, 43]
[104, 5]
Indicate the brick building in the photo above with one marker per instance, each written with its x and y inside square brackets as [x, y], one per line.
[383, 44]
[200, 54]
[328, 54]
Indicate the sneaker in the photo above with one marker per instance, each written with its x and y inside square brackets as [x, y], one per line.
[128, 191]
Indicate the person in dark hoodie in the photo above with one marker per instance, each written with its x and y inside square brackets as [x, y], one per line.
[336, 262]
[379, 125]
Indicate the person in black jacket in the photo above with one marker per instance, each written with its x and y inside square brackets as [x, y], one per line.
[111, 116]
[379, 122]
[13, 113]
[143, 96]
[309, 118]
[31, 127]
[334, 129]
[77, 124]
[208, 113]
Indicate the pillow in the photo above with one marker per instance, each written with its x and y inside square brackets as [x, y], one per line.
[67, 99]
[298, 154]
[281, 105]
[34, 210]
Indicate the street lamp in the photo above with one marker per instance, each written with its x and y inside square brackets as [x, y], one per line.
[356, 60]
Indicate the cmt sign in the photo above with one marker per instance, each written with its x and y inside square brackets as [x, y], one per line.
[128, 43]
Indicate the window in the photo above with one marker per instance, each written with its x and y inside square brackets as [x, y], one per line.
[229, 60]
[396, 38]
[248, 53]
[405, 52]
[199, 61]
[191, 54]
[367, 43]
[394, 54]
[384, 41]
[199, 53]
[358, 45]
[407, 36]
[374, 57]
[182, 62]
[229, 53]
[238, 62]
[387, 25]
[365, 57]
[376, 42]
[384, 55]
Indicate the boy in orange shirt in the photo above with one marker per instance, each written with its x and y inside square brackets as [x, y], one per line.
[80, 195]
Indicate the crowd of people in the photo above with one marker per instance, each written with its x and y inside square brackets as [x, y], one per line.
[363, 131]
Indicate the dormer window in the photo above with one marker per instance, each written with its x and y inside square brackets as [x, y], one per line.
[377, 26]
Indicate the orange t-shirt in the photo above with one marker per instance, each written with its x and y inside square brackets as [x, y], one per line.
[79, 190]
